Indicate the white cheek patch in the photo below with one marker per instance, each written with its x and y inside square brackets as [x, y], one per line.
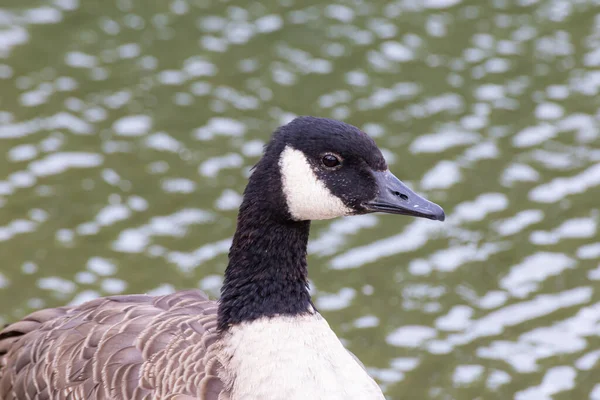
[307, 197]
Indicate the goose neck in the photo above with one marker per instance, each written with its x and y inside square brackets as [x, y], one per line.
[267, 272]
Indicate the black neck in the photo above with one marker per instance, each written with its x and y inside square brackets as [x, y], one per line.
[267, 272]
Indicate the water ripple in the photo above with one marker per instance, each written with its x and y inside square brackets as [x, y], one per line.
[128, 139]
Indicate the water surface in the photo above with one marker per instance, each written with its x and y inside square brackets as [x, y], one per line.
[128, 128]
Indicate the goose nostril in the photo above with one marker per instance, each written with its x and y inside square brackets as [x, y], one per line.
[402, 196]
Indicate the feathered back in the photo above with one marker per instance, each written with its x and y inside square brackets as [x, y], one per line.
[120, 347]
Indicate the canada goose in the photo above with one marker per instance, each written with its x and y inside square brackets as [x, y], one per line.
[264, 339]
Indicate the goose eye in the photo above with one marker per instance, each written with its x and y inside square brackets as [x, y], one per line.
[330, 161]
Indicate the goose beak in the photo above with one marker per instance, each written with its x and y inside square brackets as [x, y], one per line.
[396, 198]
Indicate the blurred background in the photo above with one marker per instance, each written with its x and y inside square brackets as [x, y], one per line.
[128, 127]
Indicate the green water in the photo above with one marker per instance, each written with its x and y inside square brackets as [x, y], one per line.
[127, 130]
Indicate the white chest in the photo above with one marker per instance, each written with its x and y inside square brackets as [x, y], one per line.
[295, 358]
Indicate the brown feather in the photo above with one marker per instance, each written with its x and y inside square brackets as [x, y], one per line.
[121, 347]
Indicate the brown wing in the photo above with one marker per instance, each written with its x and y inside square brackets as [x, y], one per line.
[120, 347]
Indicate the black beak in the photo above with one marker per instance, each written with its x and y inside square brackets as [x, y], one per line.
[396, 198]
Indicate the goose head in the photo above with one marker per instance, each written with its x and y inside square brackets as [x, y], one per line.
[327, 169]
[311, 169]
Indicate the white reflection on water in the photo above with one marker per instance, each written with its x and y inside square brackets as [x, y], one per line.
[518, 172]
[480, 208]
[414, 236]
[481, 151]
[549, 111]
[22, 179]
[595, 393]
[569, 229]
[492, 299]
[518, 222]
[113, 286]
[60, 286]
[228, 200]
[69, 122]
[396, 51]
[386, 376]
[588, 360]
[405, 363]
[366, 321]
[165, 288]
[220, 126]
[211, 167]
[559, 188]
[85, 278]
[543, 342]
[78, 59]
[188, 261]
[178, 185]
[11, 37]
[554, 159]
[16, 227]
[101, 266]
[443, 140]
[17, 129]
[336, 234]
[457, 319]
[589, 251]
[112, 213]
[133, 125]
[84, 296]
[381, 97]
[494, 323]
[585, 126]
[451, 258]
[441, 176]
[171, 77]
[497, 378]
[162, 141]
[410, 336]
[269, 23]
[524, 278]
[3, 281]
[57, 163]
[556, 379]
[466, 374]
[252, 148]
[211, 284]
[335, 301]
[534, 135]
[135, 240]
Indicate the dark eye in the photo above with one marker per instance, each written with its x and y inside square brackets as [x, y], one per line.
[330, 161]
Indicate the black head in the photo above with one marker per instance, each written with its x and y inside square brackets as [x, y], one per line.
[327, 168]
[313, 168]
